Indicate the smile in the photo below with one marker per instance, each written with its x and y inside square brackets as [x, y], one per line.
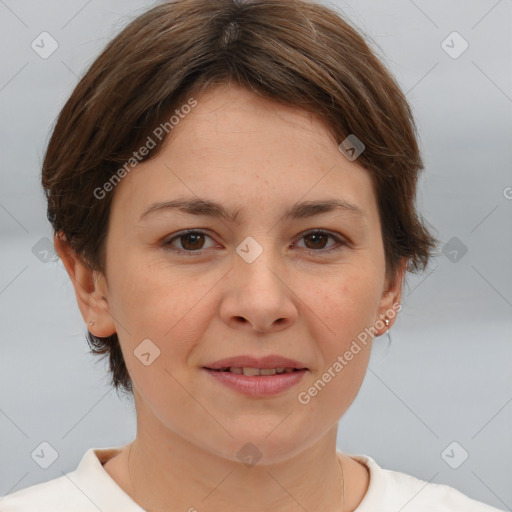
[256, 382]
[256, 371]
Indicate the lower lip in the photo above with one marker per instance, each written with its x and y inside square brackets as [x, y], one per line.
[258, 386]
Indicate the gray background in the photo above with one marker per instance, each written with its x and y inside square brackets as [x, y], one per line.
[447, 375]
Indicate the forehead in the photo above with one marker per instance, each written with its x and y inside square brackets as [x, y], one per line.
[233, 110]
[236, 145]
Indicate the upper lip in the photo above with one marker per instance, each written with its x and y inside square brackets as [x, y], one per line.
[246, 361]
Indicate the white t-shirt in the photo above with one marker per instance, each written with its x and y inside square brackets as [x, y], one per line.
[91, 489]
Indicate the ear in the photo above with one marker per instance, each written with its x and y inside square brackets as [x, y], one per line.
[90, 289]
[390, 303]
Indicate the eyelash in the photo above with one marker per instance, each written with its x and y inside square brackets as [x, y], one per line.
[341, 243]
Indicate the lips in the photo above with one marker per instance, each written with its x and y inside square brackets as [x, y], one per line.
[247, 363]
[254, 382]
[251, 372]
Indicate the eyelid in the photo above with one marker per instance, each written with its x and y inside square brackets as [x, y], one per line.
[167, 241]
[341, 241]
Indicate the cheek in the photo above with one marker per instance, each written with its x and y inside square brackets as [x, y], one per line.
[346, 302]
[171, 309]
[152, 298]
[343, 309]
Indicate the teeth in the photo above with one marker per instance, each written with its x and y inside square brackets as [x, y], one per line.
[256, 371]
[251, 371]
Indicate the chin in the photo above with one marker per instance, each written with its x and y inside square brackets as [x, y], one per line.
[255, 446]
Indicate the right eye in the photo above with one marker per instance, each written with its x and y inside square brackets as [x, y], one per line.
[191, 242]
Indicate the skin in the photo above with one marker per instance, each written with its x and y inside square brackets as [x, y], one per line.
[297, 299]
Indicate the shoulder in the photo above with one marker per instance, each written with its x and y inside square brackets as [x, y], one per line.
[392, 490]
[88, 488]
[58, 495]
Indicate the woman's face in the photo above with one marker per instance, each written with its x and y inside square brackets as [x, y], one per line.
[259, 284]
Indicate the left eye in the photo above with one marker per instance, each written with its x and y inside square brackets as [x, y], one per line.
[192, 241]
[318, 238]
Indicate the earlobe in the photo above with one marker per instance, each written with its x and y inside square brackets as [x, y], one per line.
[90, 290]
[390, 303]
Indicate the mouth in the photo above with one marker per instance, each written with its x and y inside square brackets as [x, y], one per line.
[257, 383]
[253, 372]
[257, 377]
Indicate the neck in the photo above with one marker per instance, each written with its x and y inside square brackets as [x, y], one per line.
[188, 477]
[165, 471]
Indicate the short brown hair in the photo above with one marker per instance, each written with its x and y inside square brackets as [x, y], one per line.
[295, 52]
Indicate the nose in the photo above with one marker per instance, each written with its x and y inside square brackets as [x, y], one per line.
[259, 296]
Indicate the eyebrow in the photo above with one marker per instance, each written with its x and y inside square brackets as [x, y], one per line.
[199, 206]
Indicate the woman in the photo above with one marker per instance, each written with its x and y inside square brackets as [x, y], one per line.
[232, 189]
